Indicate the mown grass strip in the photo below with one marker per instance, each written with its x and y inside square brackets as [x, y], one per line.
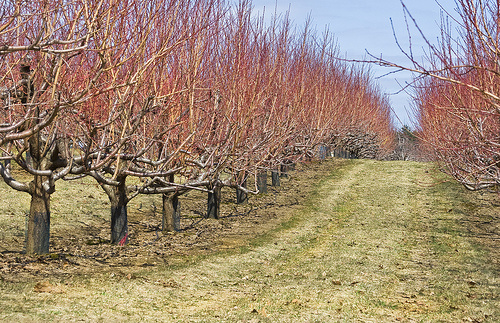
[377, 241]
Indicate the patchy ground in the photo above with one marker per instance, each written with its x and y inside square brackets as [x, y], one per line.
[349, 241]
[80, 227]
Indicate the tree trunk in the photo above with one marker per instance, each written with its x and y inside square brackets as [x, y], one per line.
[322, 152]
[284, 170]
[119, 224]
[171, 213]
[38, 233]
[213, 204]
[275, 178]
[38, 226]
[262, 181]
[28, 159]
[241, 196]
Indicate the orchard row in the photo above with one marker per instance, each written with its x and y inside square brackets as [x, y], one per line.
[163, 97]
[457, 94]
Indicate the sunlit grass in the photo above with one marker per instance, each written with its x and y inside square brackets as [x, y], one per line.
[376, 242]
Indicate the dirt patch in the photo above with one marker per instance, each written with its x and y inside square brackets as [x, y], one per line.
[80, 233]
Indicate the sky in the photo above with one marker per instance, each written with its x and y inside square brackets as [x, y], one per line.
[362, 26]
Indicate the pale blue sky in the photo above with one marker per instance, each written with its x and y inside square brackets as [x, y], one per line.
[364, 25]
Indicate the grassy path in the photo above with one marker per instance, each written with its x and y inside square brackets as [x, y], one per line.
[374, 244]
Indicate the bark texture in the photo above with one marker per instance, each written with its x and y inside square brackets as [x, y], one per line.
[171, 213]
[242, 196]
[275, 178]
[119, 222]
[262, 182]
[38, 233]
[213, 204]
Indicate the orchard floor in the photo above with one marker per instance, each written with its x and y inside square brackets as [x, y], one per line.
[348, 241]
[80, 227]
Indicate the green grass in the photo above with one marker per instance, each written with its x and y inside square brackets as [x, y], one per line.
[375, 242]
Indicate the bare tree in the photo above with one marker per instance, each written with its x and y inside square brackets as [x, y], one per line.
[457, 96]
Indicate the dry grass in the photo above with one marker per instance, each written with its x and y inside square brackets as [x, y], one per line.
[374, 243]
